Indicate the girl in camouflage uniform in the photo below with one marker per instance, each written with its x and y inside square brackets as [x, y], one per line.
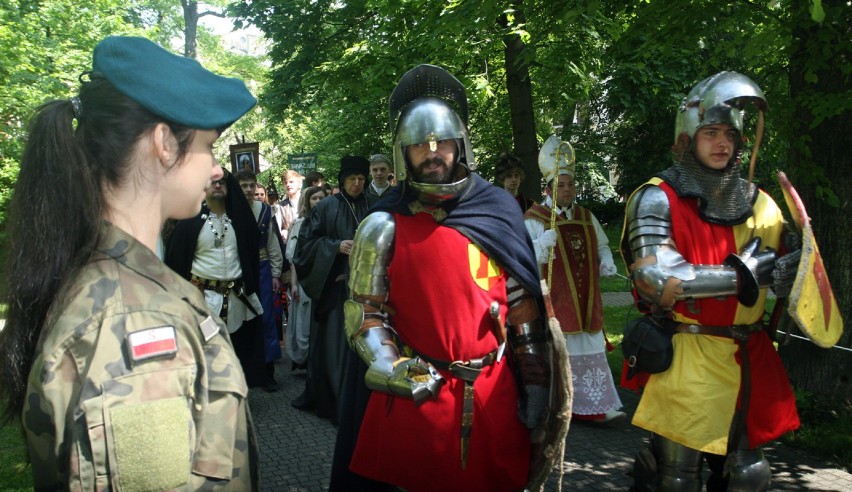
[121, 377]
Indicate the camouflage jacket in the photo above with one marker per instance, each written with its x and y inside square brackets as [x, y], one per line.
[134, 385]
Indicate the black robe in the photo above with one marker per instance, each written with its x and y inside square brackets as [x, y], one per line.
[323, 273]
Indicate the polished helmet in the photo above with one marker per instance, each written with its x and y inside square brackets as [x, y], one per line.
[719, 99]
[427, 106]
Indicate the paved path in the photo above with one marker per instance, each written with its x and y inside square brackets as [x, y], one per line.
[296, 447]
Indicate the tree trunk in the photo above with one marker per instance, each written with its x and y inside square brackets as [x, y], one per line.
[519, 88]
[822, 148]
[190, 31]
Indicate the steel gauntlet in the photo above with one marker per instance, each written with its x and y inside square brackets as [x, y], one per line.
[375, 342]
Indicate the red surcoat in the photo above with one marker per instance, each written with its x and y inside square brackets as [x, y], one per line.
[575, 281]
[441, 286]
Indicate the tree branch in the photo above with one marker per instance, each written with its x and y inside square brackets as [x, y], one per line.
[213, 13]
[764, 10]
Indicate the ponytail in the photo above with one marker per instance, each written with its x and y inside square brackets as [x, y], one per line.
[56, 209]
[52, 220]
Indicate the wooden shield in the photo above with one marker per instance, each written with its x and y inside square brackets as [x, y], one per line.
[812, 304]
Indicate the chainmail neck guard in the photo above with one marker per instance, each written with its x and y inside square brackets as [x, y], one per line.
[723, 196]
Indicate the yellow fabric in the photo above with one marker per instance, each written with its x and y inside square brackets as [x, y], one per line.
[768, 223]
[689, 406]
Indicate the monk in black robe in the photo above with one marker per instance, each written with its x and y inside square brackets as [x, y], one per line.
[322, 266]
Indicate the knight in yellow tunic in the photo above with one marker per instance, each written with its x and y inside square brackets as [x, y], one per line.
[702, 243]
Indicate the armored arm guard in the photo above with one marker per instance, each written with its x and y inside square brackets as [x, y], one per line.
[528, 338]
[366, 315]
[661, 274]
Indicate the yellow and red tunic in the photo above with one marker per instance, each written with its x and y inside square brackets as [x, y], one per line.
[574, 289]
[693, 403]
[441, 287]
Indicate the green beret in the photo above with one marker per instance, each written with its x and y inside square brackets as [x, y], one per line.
[176, 88]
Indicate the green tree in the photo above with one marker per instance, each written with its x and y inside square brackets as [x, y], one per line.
[819, 77]
[45, 48]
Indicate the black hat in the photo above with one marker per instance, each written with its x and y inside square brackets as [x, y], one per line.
[353, 164]
[173, 87]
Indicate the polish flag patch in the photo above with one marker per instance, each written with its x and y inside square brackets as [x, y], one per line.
[153, 342]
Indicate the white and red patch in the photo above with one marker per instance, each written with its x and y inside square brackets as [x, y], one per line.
[153, 342]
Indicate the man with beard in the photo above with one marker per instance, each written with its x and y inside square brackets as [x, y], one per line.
[217, 251]
[692, 242]
[442, 277]
[322, 267]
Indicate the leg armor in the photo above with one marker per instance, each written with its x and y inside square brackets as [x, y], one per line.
[667, 466]
[531, 351]
[366, 317]
[750, 472]
[661, 274]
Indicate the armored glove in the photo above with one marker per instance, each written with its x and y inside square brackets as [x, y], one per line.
[754, 270]
[608, 269]
[415, 379]
[547, 239]
[786, 267]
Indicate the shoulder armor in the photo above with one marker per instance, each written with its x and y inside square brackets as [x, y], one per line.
[371, 254]
[649, 221]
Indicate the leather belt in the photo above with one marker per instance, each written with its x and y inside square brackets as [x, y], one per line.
[467, 371]
[737, 332]
[223, 287]
[218, 286]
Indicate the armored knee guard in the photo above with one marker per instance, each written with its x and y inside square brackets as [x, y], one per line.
[750, 472]
[666, 466]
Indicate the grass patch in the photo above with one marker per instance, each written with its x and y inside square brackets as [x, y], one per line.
[616, 317]
[615, 284]
[15, 473]
[826, 429]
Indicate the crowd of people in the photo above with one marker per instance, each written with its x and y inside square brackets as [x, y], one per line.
[423, 302]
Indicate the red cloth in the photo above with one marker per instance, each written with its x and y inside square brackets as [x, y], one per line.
[443, 313]
[575, 290]
[772, 409]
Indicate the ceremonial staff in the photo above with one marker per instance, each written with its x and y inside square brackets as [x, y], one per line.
[555, 154]
[549, 437]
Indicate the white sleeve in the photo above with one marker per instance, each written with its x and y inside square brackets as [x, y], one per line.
[604, 253]
[536, 229]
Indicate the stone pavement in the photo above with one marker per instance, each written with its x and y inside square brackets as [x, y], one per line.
[296, 447]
